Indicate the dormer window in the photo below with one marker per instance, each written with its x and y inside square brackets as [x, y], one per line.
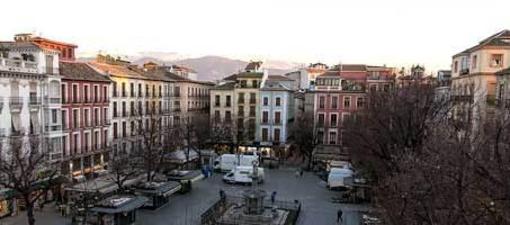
[496, 60]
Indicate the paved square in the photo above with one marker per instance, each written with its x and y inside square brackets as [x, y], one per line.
[317, 208]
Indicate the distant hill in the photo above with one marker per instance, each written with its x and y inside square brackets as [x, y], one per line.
[210, 68]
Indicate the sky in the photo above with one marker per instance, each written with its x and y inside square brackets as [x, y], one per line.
[391, 32]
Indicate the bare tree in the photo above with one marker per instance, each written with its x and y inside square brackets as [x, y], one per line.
[305, 136]
[122, 168]
[26, 169]
[428, 167]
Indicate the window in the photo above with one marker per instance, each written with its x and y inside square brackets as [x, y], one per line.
[228, 99]
[496, 60]
[321, 102]
[87, 138]
[332, 138]
[124, 129]
[217, 116]
[265, 116]
[132, 89]
[455, 66]
[96, 117]
[54, 117]
[278, 101]
[254, 84]
[277, 119]
[86, 117]
[240, 111]
[360, 102]
[320, 137]
[115, 109]
[276, 135]
[243, 84]
[253, 98]
[386, 88]
[347, 102]
[333, 120]
[266, 101]
[228, 116]
[345, 117]
[147, 90]
[252, 110]
[64, 94]
[114, 85]
[124, 113]
[132, 126]
[124, 94]
[86, 93]
[241, 98]
[105, 96]
[75, 118]
[321, 120]
[334, 102]
[115, 134]
[96, 93]
[217, 100]
[474, 61]
[132, 108]
[265, 134]
[75, 93]
[64, 119]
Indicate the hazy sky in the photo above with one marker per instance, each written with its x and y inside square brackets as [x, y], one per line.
[392, 32]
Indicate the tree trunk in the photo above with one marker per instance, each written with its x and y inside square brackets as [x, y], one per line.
[30, 212]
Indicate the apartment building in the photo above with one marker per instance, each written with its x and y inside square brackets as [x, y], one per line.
[305, 77]
[85, 118]
[276, 112]
[235, 101]
[30, 97]
[474, 79]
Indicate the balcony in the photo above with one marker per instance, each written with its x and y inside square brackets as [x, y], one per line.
[18, 65]
[53, 128]
[34, 101]
[54, 157]
[54, 100]
[464, 71]
[16, 103]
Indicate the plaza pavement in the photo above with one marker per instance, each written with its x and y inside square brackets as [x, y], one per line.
[185, 209]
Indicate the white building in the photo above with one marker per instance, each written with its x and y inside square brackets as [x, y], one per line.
[276, 110]
[30, 94]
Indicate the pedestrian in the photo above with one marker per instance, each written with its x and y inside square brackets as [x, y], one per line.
[273, 197]
[301, 172]
[222, 194]
[339, 216]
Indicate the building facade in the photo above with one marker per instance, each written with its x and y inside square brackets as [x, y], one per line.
[85, 118]
[276, 112]
[474, 79]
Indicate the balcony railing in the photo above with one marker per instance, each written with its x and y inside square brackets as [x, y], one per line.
[15, 103]
[464, 71]
[54, 100]
[18, 65]
[52, 128]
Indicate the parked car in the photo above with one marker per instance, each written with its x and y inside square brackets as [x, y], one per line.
[243, 175]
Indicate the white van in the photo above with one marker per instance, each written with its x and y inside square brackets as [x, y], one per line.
[336, 177]
[228, 162]
[243, 175]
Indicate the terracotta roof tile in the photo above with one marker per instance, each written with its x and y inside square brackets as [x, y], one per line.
[81, 71]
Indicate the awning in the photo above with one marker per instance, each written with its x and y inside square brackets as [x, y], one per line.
[7, 193]
[47, 182]
[159, 189]
[179, 156]
[184, 175]
[133, 203]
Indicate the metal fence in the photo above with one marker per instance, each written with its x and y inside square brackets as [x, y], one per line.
[212, 216]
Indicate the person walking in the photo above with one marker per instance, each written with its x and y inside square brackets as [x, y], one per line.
[339, 217]
[273, 197]
[301, 172]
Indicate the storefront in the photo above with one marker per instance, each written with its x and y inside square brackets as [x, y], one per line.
[6, 202]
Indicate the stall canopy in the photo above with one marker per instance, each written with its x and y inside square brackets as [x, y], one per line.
[119, 204]
[179, 156]
[159, 188]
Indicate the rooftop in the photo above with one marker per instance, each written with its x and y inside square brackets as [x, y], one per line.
[81, 71]
[500, 39]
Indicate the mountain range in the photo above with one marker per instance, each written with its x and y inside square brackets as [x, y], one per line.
[212, 68]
